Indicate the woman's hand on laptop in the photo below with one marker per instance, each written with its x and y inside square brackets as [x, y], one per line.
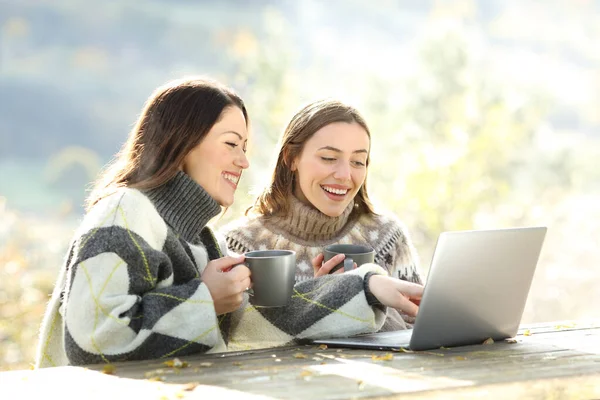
[401, 295]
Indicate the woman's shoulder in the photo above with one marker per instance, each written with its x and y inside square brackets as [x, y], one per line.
[382, 221]
[126, 208]
[242, 226]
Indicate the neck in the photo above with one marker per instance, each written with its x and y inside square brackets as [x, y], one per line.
[184, 205]
[309, 224]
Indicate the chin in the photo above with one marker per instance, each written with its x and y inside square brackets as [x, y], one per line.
[225, 203]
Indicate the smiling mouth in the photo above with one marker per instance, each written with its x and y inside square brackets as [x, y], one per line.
[334, 191]
[231, 178]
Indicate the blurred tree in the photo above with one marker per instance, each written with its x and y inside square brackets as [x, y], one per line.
[457, 148]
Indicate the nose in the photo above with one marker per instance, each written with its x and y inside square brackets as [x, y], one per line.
[242, 161]
[342, 172]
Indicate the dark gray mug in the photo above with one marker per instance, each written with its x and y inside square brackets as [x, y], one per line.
[354, 254]
[273, 276]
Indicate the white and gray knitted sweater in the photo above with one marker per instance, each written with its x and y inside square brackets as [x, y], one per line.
[307, 231]
[131, 288]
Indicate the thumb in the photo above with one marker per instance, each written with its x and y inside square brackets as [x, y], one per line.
[317, 261]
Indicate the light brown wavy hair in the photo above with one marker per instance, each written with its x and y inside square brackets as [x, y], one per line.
[274, 199]
[175, 118]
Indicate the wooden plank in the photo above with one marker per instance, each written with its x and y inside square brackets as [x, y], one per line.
[549, 361]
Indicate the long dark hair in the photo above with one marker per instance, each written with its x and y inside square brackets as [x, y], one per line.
[175, 118]
[274, 199]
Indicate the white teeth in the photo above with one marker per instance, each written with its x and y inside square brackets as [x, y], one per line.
[231, 178]
[335, 191]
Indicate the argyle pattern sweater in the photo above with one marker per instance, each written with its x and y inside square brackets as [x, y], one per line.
[131, 288]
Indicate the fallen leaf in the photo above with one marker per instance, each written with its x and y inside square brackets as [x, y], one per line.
[323, 347]
[385, 357]
[206, 364]
[460, 358]
[237, 363]
[571, 325]
[188, 387]
[176, 363]
[361, 385]
[339, 350]
[430, 353]
[306, 373]
[402, 350]
[300, 355]
[109, 369]
[527, 332]
[488, 341]
[156, 379]
[511, 341]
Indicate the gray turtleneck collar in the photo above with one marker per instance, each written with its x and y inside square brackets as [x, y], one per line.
[184, 205]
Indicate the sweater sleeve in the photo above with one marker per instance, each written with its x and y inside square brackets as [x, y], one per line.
[406, 260]
[329, 306]
[123, 300]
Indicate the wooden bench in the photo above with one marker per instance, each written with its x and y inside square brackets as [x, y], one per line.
[553, 360]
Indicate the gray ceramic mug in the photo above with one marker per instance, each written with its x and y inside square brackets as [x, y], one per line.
[354, 254]
[273, 276]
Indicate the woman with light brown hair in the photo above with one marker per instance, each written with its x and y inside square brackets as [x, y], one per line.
[318, 196]
[145, 277]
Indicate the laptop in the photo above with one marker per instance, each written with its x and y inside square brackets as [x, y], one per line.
[476, 289]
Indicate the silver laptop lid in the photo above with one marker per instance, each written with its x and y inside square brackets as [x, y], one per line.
[477, 286]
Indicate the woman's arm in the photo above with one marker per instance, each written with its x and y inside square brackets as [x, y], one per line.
[130, 293]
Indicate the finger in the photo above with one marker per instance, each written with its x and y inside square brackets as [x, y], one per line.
[330, 264]
[410, 289]
[246, 284]
[355, 266]
[317, 261]
[226, 263]
[407, 306]
[240, 272]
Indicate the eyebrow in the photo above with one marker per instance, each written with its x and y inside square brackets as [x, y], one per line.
[235, 133]
[339, 151]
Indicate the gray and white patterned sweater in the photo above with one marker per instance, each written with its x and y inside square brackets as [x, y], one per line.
[307, 231]
[131, 288]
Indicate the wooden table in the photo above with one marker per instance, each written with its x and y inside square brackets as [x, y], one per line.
[554, 360]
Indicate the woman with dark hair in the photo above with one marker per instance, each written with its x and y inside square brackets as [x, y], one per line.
[146, 278]
[318, 196]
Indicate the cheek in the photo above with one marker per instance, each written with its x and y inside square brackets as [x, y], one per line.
[359, 178]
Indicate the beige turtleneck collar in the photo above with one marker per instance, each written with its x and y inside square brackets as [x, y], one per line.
[309, 224]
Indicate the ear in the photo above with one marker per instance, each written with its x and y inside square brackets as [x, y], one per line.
[289, 163]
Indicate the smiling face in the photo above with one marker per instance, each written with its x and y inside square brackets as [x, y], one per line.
[216, 163]
[332, 167]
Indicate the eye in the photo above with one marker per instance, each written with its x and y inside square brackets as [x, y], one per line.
[231, 144]
[359, 163]
[327, 159]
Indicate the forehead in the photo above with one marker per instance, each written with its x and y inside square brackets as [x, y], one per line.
[232, 119]
[341, 135]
